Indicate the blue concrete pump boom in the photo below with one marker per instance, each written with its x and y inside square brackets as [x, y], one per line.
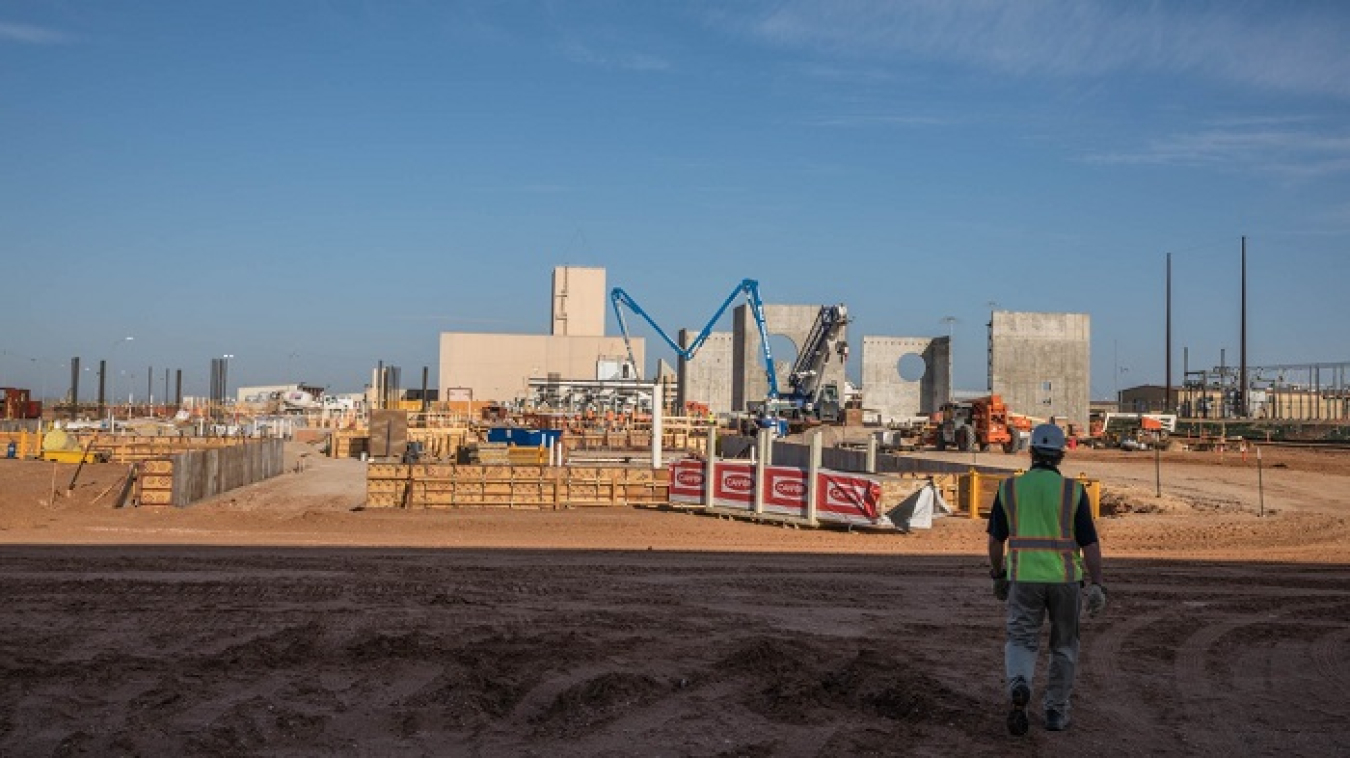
[751, 289]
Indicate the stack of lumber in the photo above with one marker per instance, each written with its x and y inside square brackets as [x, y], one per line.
[490, 454]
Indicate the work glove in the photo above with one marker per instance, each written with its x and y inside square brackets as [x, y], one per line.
[1000, 584]
[1096, 599]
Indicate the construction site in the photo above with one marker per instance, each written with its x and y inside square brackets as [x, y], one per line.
[563, 547]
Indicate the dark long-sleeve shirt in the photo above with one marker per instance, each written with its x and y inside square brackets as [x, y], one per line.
[1084, 531]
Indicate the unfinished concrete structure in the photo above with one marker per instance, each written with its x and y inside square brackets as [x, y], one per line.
[707, 378]
[1040, 363]
[500, 366]
[579, 300]
[748, 381]
[892, 396]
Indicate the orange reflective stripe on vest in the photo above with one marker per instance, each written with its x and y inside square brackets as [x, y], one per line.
[1040, 509]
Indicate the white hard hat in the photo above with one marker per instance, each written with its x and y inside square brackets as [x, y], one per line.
[1047, 438]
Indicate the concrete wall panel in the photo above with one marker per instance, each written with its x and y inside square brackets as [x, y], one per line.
[707, 378]
[1041, 363]
[748, 381]
[497, 366]
[887, 393]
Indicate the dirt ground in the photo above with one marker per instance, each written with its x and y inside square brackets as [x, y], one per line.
[281, 619]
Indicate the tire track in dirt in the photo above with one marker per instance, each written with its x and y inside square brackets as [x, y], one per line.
[1250, 679]
[1329, 656]
[1194, 687]
[1106, 655]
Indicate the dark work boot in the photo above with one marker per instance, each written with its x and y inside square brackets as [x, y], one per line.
[1056, 721]
[1017, 717]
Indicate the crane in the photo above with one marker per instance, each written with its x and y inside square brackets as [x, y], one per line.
[809, 392]
[749, 287]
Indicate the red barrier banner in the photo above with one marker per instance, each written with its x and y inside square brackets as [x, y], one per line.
[686, 481]
[841, 498]
[785, 491]
[849, 498]
[734, 486]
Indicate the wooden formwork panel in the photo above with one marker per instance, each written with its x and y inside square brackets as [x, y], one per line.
[194, 474]
[385, 471]
[155, 497]
[527, 456]
[469, 489]
[384, 486]
[157, 483]
[441, 443]
[157, 467]
[396, 485]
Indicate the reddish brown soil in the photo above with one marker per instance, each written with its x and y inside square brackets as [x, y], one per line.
[278, 620]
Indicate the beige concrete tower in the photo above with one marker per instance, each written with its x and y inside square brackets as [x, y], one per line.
[579, 300]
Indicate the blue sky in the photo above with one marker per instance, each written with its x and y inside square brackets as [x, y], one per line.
[313, 187]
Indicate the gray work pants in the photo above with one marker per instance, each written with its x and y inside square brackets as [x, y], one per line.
[1028, 605]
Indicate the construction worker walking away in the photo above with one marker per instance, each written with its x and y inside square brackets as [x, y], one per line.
[1046, 521]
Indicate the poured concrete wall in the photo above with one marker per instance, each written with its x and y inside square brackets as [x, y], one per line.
[748, 382]
[195, 475]
[707, 378]
[579, 300]
[889, 394]
[498, 366]
[1040, 363]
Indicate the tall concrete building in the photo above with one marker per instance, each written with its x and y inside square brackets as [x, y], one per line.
[499, 366]
[579, 300]
[1040, 363]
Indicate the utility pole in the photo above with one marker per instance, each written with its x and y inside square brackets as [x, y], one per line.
[1242, 370]
[1167, 394]
[949, 321]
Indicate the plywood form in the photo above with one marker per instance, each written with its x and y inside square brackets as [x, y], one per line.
[193, 475]
[441, 443]
[450, 486]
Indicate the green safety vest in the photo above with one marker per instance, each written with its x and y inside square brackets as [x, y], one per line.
[1040, 506]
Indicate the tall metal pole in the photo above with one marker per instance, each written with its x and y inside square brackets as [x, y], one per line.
[1185, 380]
[1223, 382]
[1167, 395]
[1242, 370]
[425, 369]
[74, 387]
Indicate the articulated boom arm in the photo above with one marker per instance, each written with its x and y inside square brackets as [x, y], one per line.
[750, 287]
[823, 339]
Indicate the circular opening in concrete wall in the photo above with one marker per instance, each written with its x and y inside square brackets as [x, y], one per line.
[784, 352]
[912, 367]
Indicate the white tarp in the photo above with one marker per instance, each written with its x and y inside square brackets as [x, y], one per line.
[919, 509]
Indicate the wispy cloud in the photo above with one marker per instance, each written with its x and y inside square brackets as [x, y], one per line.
[879, 119]
[31, 35]
[630, 61]
[1294, 153]
[1277, 46]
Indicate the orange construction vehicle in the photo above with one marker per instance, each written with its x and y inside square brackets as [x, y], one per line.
[981, 422]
